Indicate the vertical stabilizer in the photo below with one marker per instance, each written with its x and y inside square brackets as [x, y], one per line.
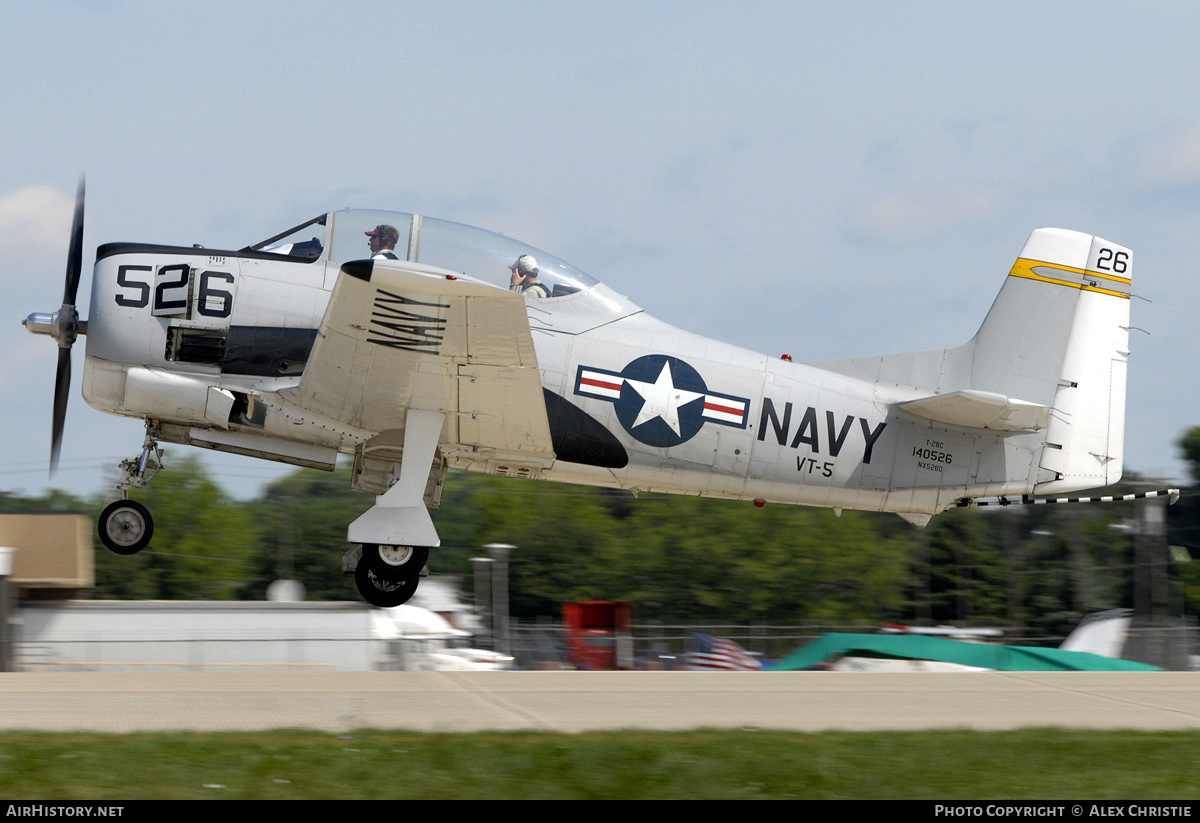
[1058, 335]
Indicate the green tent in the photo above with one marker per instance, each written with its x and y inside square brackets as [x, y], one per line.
[831, 646]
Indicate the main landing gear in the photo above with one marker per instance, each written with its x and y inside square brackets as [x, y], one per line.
[390, 539]
[388, 575]
[125, 525]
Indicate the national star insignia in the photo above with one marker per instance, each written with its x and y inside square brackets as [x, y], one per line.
[662, 399]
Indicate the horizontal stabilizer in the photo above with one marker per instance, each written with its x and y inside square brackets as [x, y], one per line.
[974, 409]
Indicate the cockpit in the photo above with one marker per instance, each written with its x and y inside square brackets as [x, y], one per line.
[338, 237]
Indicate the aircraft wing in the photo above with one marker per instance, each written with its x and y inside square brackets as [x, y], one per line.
[398, 336]
[979, 410]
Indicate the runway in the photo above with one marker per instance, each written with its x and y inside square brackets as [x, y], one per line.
[155, 701]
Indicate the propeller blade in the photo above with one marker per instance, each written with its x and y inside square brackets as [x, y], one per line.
[68, 326]
[62, 390]
[75, 253]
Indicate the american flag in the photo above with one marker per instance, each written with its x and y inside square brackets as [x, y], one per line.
[716, 653]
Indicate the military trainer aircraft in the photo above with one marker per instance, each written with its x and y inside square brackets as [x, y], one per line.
[419, 345]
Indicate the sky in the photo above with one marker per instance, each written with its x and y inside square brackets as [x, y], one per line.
[822, 179]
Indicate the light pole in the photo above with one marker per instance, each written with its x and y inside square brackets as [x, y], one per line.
[499, 554]
[483, 601]
[6, 608]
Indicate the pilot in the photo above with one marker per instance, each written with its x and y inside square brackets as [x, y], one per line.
[524, 277]
[383, 242]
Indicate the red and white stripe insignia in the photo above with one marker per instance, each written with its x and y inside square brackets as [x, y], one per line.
[724, 409]
[599, 384]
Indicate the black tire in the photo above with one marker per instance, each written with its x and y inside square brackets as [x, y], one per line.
[125, 527]
[394, 563]
[380, 592]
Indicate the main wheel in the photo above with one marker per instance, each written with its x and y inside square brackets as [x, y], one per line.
[394, 563]
[125, 527]
[384, 593]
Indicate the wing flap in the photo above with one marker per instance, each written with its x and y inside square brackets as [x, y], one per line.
[399, 336]
[973, 409]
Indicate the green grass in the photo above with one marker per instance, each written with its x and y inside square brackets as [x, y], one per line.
[1039, 764]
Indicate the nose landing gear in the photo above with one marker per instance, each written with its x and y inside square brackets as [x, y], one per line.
[125, 525]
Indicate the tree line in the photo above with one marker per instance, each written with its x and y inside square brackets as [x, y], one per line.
[677, 559]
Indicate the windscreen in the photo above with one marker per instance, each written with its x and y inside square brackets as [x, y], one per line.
[304, 242]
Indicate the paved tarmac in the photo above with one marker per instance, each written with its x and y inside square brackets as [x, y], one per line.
[584, 701]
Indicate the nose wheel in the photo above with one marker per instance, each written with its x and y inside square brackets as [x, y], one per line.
[125, 527]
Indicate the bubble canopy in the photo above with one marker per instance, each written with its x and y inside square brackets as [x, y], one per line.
[340, 236]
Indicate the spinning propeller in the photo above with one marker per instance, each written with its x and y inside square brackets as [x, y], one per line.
[64, 326]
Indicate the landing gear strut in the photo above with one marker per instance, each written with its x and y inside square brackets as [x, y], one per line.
[126, 526]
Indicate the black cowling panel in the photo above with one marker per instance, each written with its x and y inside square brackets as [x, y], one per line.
[580, 438]
[267, 351]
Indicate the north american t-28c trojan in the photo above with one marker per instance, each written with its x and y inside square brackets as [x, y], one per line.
[419, 345]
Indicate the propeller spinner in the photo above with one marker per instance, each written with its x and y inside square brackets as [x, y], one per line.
[64, 326]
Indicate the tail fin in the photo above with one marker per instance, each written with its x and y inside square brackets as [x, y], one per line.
[1058, 335]
[1054, 344]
